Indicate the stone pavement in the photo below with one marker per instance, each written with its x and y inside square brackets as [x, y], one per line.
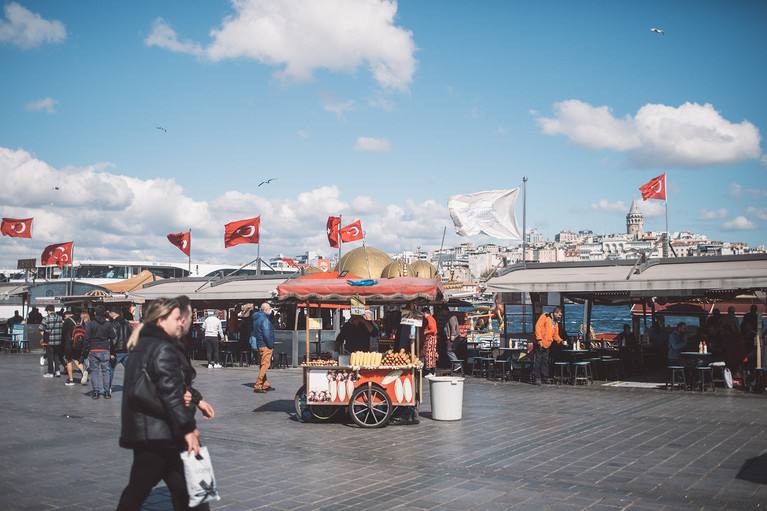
[517, 447]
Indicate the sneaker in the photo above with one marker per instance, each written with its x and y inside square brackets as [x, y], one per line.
[217, 366]
[210, 366]
[58, 374]
[95, 395]
[107, 395]
[42, 360]
[84, 379]
[69, 382]
[538, 382]
[47, 375]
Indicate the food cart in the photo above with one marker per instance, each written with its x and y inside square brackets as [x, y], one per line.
[369, 385]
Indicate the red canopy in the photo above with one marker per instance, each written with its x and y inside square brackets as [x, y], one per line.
[393, 290]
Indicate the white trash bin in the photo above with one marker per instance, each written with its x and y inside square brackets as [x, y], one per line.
[446, 397]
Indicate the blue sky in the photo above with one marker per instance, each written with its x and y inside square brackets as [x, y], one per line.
[376, 111]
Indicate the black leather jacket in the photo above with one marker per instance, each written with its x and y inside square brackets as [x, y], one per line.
[170, 370]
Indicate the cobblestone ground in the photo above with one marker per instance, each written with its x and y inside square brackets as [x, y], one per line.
[517, 447]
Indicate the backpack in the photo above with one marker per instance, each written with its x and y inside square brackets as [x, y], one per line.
[78, 336]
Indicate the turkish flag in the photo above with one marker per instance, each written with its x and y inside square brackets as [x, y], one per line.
[17, 227]
[351, 232]
[333, 223]
[58, 254]
[241, 231]
[289, 261]
[183, 240]
[655, 189]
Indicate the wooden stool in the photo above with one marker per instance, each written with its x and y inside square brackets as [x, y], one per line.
[504, 366]
[717, 373]
[282, 360]
[245, 358]
[611, 367]
[582, 373]
[701, 373]
[228, 358]
[559, 372]
[674, 373]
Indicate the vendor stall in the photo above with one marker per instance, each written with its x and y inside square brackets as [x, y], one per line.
[369, 385]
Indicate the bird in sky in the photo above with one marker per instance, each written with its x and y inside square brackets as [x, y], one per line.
[161, 128]
[658, 31]
[267, 181]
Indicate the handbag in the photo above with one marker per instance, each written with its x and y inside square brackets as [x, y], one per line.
[142, 396]
[200, 480]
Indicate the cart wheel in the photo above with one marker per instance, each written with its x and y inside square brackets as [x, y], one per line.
[323, 413]
[370, 406]
[303, 412]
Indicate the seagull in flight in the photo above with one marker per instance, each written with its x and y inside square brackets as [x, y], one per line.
[267, 181]
[161, 128]
[657, 31]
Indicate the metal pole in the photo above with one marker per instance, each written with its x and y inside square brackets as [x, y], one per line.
[524, 217]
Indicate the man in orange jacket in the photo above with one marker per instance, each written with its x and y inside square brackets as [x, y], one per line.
[546, 332]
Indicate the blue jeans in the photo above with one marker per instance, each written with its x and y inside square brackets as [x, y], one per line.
[120, 358]
[99, 361]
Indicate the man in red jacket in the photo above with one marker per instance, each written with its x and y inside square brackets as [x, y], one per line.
[546, 332]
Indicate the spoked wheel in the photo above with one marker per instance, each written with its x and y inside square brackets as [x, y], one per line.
[303, 411]
[370, 406]
[323, 413]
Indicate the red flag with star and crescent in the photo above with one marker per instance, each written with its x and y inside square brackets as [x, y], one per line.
[58, 254]
[241, 231]
[17, 227]
[333, 223]
[351, 232]
[182, 240]
[655, 189]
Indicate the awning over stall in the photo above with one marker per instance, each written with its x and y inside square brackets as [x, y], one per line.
[675, 279]
[227, 289]
[374, 291]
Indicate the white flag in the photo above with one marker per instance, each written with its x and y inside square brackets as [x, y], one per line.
[490, 213]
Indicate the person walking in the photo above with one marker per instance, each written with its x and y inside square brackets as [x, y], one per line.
[157, 439]
[72, 333]
[213, 334]
[123, 330]
[452, 333]
[99, 345]
[262, 340]
[546, 332]
[51, 328]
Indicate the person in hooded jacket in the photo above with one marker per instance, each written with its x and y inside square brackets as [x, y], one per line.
[99, 346]
[262, 340]
[123, 330]
[157, 438]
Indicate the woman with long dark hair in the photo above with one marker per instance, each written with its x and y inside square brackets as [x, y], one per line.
[158, 437]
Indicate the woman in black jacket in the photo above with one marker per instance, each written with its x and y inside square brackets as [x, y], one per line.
[158, 435]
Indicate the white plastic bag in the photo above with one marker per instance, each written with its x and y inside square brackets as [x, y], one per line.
[200, 481]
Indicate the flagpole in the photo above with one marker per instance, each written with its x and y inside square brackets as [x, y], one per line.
[338, 265]
[190, 251]
[524, 218]
[668, 240]
[367, 261]
[72, 271]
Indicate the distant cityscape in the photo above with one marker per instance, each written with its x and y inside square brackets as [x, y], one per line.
[469, 263]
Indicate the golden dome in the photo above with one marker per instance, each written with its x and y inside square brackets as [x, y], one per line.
[356, 262]
[308, 270]
[397, 268]
[424, 269]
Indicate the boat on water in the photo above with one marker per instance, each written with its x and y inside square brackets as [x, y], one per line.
[109, 271]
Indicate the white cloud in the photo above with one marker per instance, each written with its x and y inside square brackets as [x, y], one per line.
[372, 145]
[113, 216]
[737, 191]
[605, 205]
[758, 213]
[334, 104]
[302, 36]
[719, 214]
[163, 36]
[27, 30]
[651, 208]
[47, 104]
[690, 135]
[303, 133]
[740, 223]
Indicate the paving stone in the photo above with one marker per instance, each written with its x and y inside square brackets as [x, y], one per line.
[517, 447]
